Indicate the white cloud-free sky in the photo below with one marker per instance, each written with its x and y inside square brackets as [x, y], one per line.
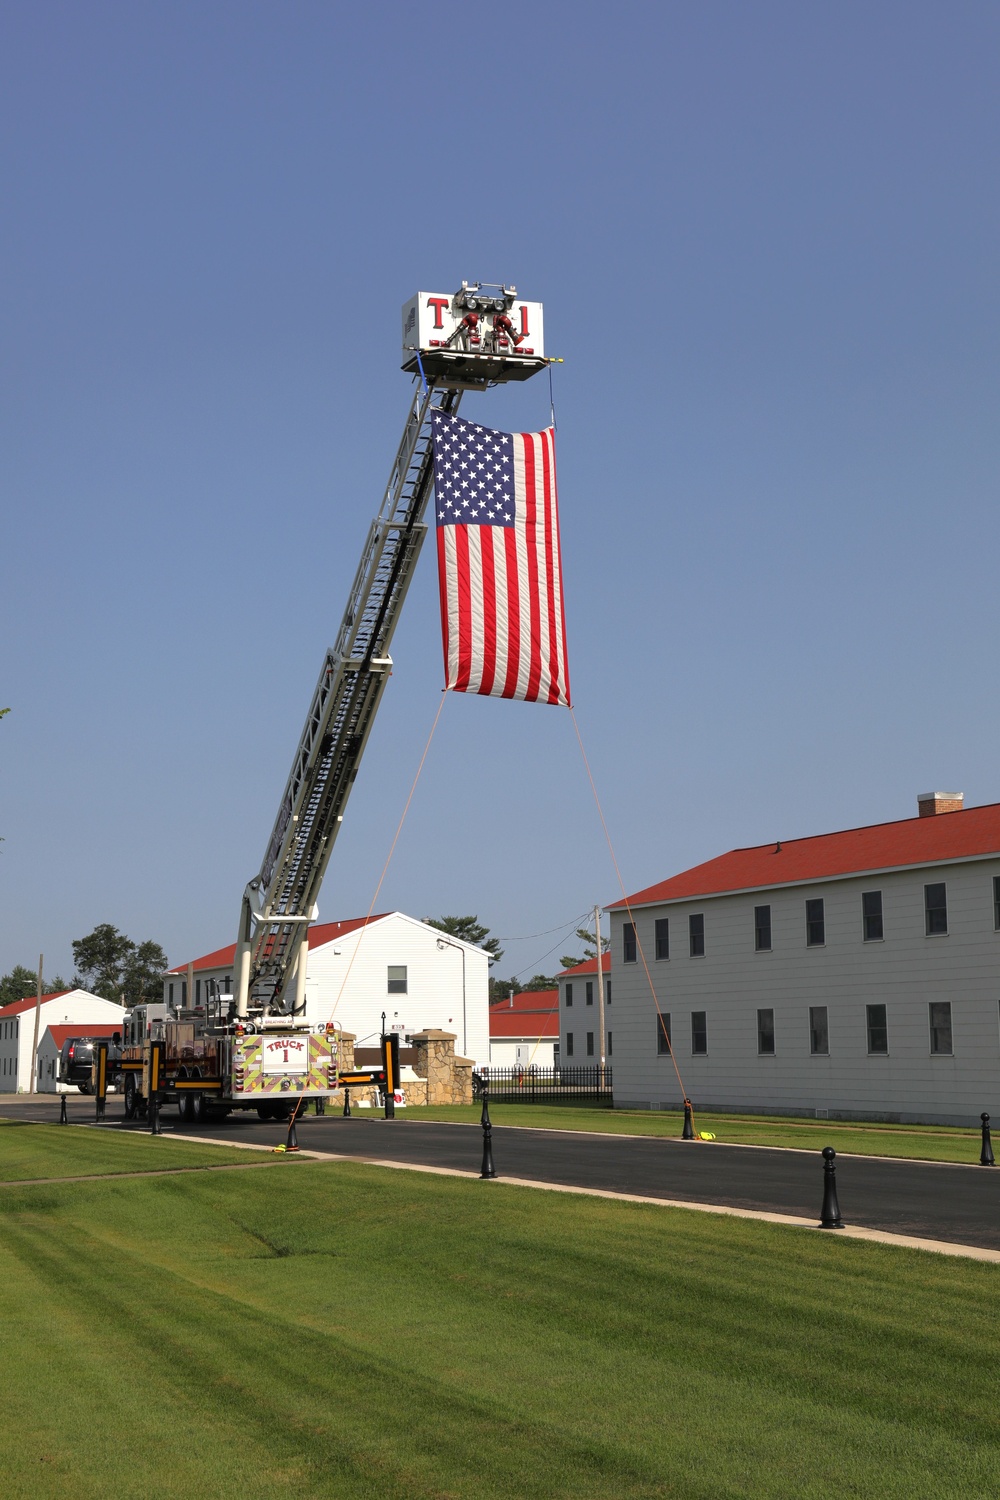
[766, 237]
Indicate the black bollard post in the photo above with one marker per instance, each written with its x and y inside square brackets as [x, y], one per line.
[488, 1168]
[986, 1155]
[292, 1143]
[830, 1212]
[687, 1134]
[154, 1114]
[347, 1104]
[63, 1117]
[321, 1106]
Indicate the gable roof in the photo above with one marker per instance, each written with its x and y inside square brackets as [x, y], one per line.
[589, 966]
[534, 1013]
[61, 1032]
[972, 833]
[322, 932]
[18, 1007]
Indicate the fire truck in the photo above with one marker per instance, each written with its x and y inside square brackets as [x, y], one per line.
[255, 1049]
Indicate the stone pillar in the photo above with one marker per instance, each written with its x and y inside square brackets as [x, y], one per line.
[449, 1078]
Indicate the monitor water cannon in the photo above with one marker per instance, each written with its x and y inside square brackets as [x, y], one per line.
[480, 336]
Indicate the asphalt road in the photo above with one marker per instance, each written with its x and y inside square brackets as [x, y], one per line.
[932, 1201]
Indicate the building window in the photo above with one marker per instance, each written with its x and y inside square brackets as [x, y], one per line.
[762, 929]
[663, 1034]
[819, 1031]
[569, 994]
[878, 1031]
[609, 1043]
[170, 994]
[871, 915]
[699, 1031]
[935, 909]
[662, 936]
[197, 992]
[696, 934]
[815, 923]
[765, 1032]
[590, 1044]
[184, 994]
[607, 991]
[628, 943]
[569, 1044]
[590, 992]
[228, 984]
[996, 902]
[397, 979]
[940, 1017]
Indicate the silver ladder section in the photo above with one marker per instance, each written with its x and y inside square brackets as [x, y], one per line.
[280, 902]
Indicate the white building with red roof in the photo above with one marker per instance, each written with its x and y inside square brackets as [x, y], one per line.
[580, 1012]
[79, 1009]
[420, 977]
[524, 1030]
[855, 974]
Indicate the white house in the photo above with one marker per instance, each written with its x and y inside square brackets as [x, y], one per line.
[524, 1030]
[77, 1008]
[579, 1014]
[420, 978]
[855, 974]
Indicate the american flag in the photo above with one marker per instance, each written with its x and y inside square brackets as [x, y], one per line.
[499, 568]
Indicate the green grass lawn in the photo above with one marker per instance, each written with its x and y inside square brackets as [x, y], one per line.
[32, 1151]
[925, 1142]
[341, 1331]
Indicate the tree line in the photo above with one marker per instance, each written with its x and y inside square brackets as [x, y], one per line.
[108, 964]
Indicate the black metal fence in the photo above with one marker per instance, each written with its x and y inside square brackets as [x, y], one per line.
[582, 1085]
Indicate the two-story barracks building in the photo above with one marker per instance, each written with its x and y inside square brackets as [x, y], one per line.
[856, 974]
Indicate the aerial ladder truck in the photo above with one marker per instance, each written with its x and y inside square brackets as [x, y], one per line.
[256, 1048]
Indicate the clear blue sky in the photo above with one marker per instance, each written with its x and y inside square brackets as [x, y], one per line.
[766, 237]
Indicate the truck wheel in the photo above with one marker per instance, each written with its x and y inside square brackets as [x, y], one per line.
[196, 1108]
[184, 1107]
[265, 1111]
[131, 1097]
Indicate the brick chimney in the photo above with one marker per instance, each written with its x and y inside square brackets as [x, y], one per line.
[929, 804]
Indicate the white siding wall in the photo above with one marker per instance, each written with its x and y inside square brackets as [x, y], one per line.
[523, 1052]
[433, 996]
[580, 1020]
[904, 972]
[77, 1008]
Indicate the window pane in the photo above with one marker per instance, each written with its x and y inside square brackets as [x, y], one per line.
[590, 1044]
[936, 908]
[996, 902]
[590, 991]
[663, 1035]
[941, 1026]
[628, 943]
[878, 1032]
[762, 928]
[696, 932]
[815, 923]
[569, 1044]
[663, 937]
[819, 1030]
[569, 994]
[609, 1043]
[765, 1031]
[699, 1031]
[397, 979]
[871, 912]
[607, 991]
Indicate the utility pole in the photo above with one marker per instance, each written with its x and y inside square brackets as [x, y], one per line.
[38, 1013]
[600, 991]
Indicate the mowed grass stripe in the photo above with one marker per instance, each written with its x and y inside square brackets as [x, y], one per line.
[339, 1331]
[36, 1152]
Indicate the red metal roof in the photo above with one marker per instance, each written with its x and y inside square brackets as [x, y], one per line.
[589, 966]
[535, 1013]
[18, 1007]
[323, 932]
[82, 1028]
[970, 834]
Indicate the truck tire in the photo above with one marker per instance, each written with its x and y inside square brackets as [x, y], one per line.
[196, 1108]
[131, 1097]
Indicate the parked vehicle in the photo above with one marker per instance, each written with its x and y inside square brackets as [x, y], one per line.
[76, 1061]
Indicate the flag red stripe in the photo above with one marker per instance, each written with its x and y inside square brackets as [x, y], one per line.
[530, 535]
[562, 593]
[443, 584]
[550, 574]
[489, 610]
[513, 614]
[464, 610]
